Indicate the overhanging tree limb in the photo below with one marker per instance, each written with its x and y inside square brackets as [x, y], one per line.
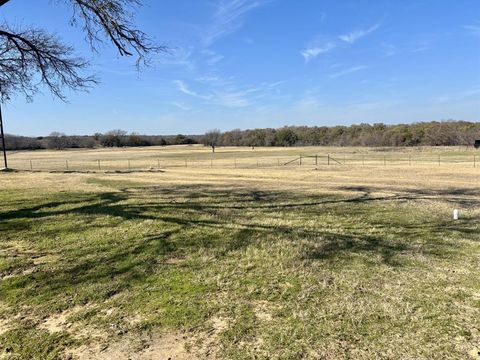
[111, 20]
[33, 57]
[32, 54]
[112, 17]
[22, 53]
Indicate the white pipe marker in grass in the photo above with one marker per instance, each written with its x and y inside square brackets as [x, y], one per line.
[455, 214]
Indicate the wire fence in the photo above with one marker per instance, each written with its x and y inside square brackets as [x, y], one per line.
[317, 160]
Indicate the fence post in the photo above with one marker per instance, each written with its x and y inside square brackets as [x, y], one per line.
[316, 159]
[300, 159]
[99, 168]
[66, 164]
[328, 159]
[31, 165]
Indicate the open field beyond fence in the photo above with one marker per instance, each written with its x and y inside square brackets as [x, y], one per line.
[347, 261]
[231, 157]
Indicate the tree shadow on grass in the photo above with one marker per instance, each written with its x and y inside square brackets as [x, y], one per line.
[190, 219]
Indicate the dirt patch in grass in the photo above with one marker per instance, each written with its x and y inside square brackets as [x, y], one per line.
[100, 345]
[474, 354]
[166, 346]
[60, 321]
[174, 261]
[4, 326]
[25, 262]
[263, 310]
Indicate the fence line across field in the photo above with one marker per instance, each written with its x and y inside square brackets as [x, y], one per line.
[242, 162]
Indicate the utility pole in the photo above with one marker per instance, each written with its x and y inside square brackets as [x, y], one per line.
[3, 139]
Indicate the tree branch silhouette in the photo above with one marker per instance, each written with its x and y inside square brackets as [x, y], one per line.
[32, 57]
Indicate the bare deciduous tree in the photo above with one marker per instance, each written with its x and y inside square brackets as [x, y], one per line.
[212, 138]
[32, 57]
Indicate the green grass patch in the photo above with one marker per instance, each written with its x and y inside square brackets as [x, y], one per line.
[293, 275]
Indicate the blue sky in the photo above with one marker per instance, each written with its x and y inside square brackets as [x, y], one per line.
[268, 63]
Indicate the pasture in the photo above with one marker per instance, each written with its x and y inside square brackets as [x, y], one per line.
[154, 157]
[237, 256]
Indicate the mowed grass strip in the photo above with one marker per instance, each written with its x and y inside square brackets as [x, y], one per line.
[269, 265]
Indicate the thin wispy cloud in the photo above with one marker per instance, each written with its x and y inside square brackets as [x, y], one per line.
[356, 35]
[389, 49]
[211, 57]
[232, 99]
[274, 85]
[182, 87]
[308, 103]
[209, 79]
[314, 51]
[458, 96]
[224, 92]
[348, 71]
[180, 56]
[420, 49]
[228, 18]
[224, 97]
[180, 105]
[473, 29]
[327, 44]
[369, 106]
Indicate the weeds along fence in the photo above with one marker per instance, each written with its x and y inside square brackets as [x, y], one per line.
[219, 161]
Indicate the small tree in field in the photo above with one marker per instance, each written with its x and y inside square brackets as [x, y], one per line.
[212, 138]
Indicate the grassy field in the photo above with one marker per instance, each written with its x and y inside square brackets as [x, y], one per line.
[245, 157]
[279, 262]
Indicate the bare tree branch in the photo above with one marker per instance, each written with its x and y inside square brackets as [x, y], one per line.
[32, 58]
[112, 19]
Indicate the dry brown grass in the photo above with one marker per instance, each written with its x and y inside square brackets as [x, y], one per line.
[314, 262]
[241, 157]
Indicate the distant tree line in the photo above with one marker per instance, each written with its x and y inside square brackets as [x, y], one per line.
[433, 133]
[114, 138]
